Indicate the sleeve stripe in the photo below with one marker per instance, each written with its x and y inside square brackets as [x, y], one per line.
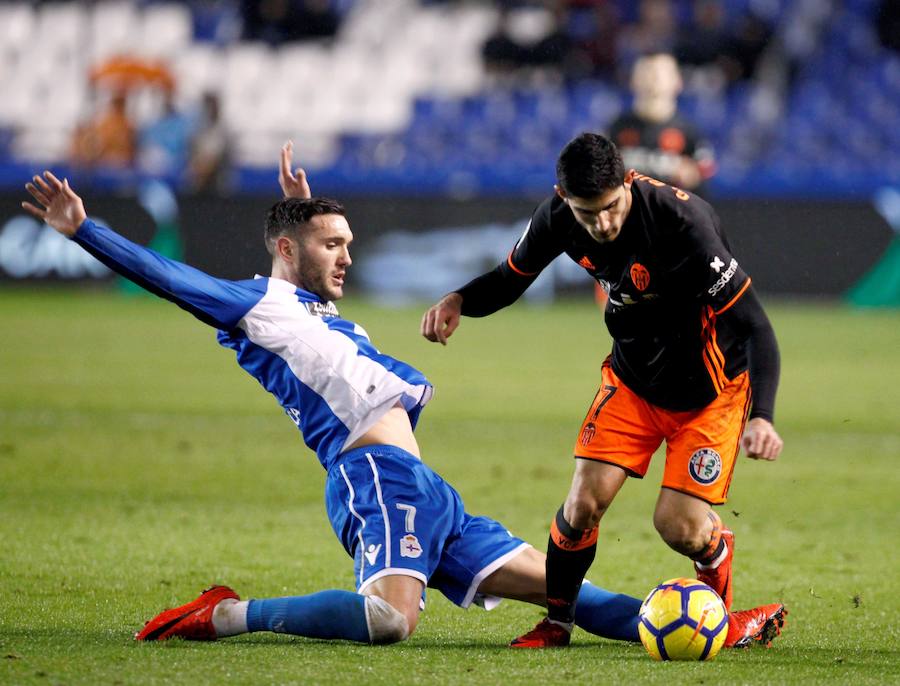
[736, 297]
[516, 269]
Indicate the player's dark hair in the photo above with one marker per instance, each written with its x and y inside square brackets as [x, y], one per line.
[290, 215]
[589, 165]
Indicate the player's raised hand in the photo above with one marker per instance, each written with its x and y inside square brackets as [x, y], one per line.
[760, 440]
[293, 183]
[60, 207]
[440, 320]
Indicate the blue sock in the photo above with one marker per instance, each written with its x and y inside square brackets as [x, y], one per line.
[611, 615]
[327, 614]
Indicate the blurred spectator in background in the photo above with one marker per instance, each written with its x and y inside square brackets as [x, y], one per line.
[210, 151]
[577, 41]
[591, 27]
[503, 54]
[653, 138]
[745, 46]
[708, 41]
[704, 38]
[107, 140]
[654, 31]
[281, 21]
[888, 22]
[164, 144]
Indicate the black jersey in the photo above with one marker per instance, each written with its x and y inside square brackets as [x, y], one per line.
[656, 148]
[669, 274]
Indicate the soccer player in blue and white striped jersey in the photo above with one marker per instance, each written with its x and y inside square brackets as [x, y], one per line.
[357, 408]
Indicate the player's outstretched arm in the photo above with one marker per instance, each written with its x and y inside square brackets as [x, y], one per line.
[441, 319]
[217, 302]
[293, 183]
[61, 207]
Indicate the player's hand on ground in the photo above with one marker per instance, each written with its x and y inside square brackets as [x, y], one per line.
[60, 207]
[440, 320]
[760, 440]
[293, 183]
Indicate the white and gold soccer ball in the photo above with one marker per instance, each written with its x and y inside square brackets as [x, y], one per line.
[683, 619]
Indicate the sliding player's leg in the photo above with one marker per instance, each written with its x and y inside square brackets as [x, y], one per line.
[386, 614]
[601, 612]
[393, 515]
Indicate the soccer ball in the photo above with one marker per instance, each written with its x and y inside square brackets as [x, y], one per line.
[683, 619]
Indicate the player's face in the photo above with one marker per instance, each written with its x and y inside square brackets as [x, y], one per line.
[323, 256]
[602, 216]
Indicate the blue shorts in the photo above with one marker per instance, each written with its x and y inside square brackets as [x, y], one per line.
[395, 515]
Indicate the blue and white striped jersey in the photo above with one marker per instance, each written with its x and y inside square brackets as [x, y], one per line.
[323, 370]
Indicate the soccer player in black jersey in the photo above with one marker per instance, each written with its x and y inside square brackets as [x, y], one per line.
[691, 347]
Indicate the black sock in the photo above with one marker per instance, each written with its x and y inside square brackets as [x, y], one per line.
[570, 553]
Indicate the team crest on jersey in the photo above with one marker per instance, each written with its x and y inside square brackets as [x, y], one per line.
[705, 466]
[322, 309]
[409, 546]
[640, 276]
[587, 264]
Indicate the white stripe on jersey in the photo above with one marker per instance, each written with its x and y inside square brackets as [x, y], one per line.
[384, 512]
[362, 549]
[522, 237]
[357, 389]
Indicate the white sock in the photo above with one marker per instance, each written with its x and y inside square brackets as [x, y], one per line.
[568, 626]
[715, 563]
[229, 617]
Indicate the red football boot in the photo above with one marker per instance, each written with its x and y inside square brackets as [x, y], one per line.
[758, 626]
[719, 579]
[546, 634]
[192, 621]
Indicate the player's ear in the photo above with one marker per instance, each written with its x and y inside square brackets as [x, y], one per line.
[629, 178]
[285, 248]
[559, 191]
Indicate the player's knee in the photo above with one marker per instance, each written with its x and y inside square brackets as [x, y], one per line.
[682, 535]
[386, 623]
[585, 510]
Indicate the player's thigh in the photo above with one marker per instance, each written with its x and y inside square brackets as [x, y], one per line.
[619, 427]
[524, 577]
[701, 453]
[478, 548]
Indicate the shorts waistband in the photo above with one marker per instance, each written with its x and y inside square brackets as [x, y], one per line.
[375, 450]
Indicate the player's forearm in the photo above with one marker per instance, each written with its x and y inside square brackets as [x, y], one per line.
[211, 300]
[749, 320]
[492, 291]
[765, 368]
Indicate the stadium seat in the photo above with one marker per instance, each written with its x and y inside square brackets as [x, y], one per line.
[166, 30]
[114, 29]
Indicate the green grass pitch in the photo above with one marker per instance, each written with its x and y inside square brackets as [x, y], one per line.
[139, 464]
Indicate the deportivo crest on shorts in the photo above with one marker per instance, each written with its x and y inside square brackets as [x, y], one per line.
[705, 466]
[409, 546]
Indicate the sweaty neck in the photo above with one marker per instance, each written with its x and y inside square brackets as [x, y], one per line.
[282, 271]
